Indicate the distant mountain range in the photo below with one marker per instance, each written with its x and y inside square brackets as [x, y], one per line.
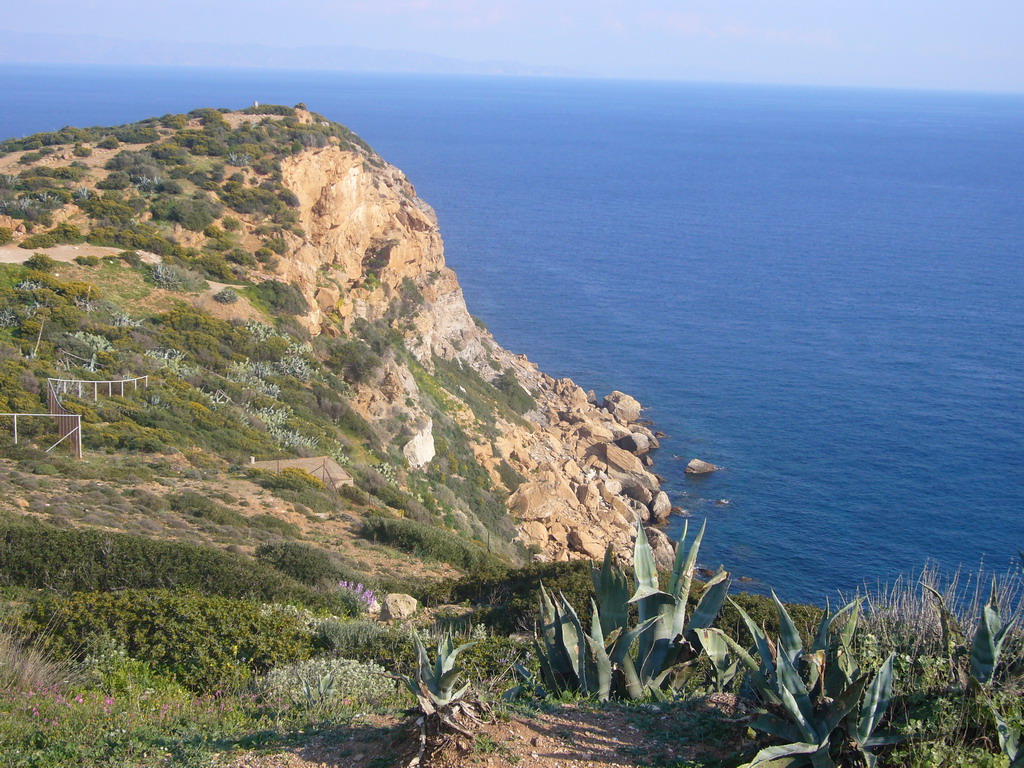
[46, 48]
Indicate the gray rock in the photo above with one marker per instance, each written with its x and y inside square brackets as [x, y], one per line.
[398, 607]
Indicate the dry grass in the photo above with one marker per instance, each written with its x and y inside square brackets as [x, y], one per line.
[906, 613]
[26, 666]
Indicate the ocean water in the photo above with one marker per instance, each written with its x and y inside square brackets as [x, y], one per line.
[820, 290]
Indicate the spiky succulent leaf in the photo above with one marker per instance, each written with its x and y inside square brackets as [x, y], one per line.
[795, 699]
[602, 676]
[776, 726]
[710, 603]
[839, 708]
[952, 636]
[645, 570]
[754, 669]
[783, 756]
[1010, 742]
[682, 577]
[613, 592]
[875, 703]
[789, 636]
[723, 665]
[764, 649]
[575, 644]
[988, 641]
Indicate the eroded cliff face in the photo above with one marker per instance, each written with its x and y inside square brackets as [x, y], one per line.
[372, 251]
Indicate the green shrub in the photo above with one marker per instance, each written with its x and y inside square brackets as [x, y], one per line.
[519, 400]
[299, 684]
[430, 542]
[344, 637]
[87, 261]
[39, 240]
[274, 524]
[6, 235]
[282, 297]
[509, 599]
[72, 560]
[226, 296]
[205, 642]
[392, 647]
[303, 562]
[289, 479]
[198, 505]
[40, 262]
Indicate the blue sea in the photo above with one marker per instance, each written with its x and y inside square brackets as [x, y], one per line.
[820, 290]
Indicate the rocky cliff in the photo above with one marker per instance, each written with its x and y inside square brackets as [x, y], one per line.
[368, 241]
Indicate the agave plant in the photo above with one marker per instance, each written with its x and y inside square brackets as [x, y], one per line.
[602, 661]
[821, 702]
[1011, 742]
[447, 713]
[974, 667]
[978, 662]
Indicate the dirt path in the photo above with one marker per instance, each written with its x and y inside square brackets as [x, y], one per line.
[567, 737]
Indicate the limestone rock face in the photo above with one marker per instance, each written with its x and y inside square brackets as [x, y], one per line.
[699, 467]
[398, 607]
[420, 450]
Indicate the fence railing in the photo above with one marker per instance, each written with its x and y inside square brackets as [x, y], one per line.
[69, 427]
[82, 387]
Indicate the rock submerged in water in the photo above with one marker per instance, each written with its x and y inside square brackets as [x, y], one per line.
[700, 467]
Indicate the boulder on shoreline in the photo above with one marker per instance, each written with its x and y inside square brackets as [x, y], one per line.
[700, 467]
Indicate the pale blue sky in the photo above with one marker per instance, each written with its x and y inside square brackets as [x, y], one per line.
[949, 44]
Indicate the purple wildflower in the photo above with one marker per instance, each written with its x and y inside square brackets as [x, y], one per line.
[363, 593]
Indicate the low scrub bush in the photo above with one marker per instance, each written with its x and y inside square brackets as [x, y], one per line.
[282, 298]
[205, 642]
[198, 505]
[226, 296]
[289, 478]
[488, 658]
[274, 524]
[69, 560]
[431, 543]
[317, 682]
[303, 562]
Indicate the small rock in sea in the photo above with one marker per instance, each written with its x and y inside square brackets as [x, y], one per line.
[700, 467]
[723, 502]
[660, 435]
[746, 579]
